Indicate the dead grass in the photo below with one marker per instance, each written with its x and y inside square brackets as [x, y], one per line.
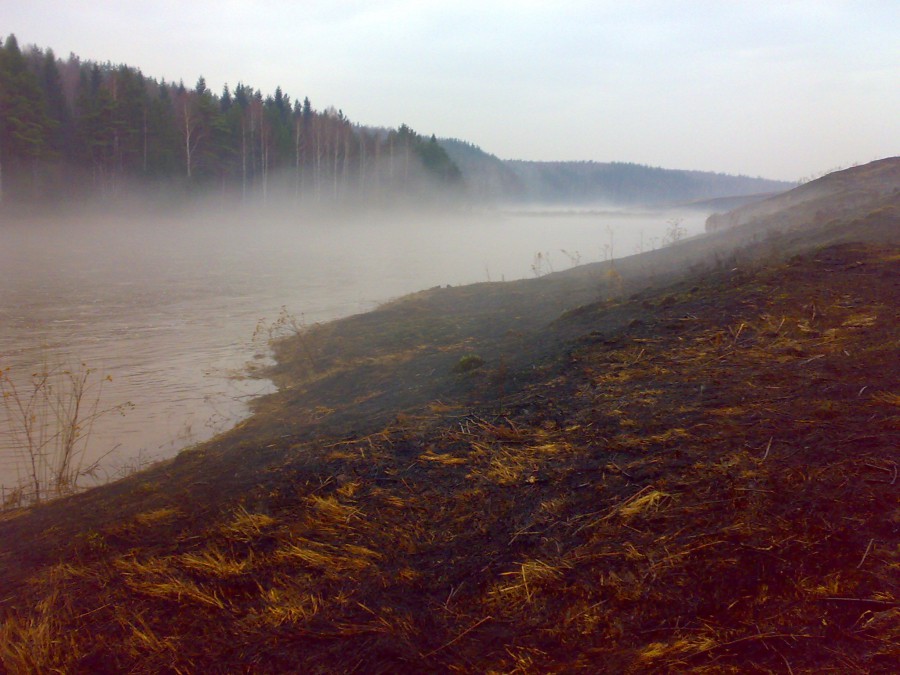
[157, 516]
[246, 526]
[289, 606]
[213, 562]
[160, 578]
[332, 561]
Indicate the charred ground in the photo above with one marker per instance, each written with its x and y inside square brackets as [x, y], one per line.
[651, 471]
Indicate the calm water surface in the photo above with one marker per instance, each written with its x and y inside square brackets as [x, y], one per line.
[167, 307]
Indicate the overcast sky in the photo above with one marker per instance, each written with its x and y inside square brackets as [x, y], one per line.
[780, 89]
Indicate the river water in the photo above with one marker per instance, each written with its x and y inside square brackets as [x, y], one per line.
[167, 306]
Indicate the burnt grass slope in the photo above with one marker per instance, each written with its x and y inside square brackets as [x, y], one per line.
[650, 471]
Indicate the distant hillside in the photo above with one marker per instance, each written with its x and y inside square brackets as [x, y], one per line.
[843, 194]
[486, 176]
[630, 184]
[617, 183]
[723, 204]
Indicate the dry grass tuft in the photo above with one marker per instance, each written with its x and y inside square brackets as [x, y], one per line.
[888, 398]
[648, 501]
[532, 576]
[215, 563]
[329, 510]
[40, 642]
[176, 589]
[289, 605]
[333, 561]
[246, 526]
[445, 459]
[510, 468]
[161, 515]
[144, 638]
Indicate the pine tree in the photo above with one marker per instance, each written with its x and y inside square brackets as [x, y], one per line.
[25, 126]
[164, 145]
[57, 108]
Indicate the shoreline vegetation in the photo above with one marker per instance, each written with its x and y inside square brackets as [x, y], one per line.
[683, 460]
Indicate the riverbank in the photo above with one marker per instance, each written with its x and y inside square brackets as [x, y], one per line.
[683, 461]
[166, 303]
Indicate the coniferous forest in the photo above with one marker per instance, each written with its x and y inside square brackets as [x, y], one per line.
[72, 128]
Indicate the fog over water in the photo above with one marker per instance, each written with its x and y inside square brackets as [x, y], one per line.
[167, 306]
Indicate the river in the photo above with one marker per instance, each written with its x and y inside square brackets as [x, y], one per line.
[166, 307]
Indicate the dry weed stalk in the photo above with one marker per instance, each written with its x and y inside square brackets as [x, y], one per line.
[50, 415]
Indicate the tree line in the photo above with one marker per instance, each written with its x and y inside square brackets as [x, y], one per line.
[70, 128]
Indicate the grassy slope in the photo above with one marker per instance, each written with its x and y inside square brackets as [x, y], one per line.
[836, 195]
[700, 477]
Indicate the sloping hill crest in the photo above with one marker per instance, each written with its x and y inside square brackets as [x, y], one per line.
[842, 194]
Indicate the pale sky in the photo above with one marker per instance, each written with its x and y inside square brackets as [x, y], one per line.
[779, 89]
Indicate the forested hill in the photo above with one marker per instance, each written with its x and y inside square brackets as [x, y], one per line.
[596, 183]
[631, 184]
[71, 128]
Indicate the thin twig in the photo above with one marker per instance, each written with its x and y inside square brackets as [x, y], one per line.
[611, 512]
[866, 554]
[581, 614]
[790, 670]
[886, 604]
[458, 637]
[750, 638]
[621, 471]
[81, 616]
[767, 449]
[453, 592]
